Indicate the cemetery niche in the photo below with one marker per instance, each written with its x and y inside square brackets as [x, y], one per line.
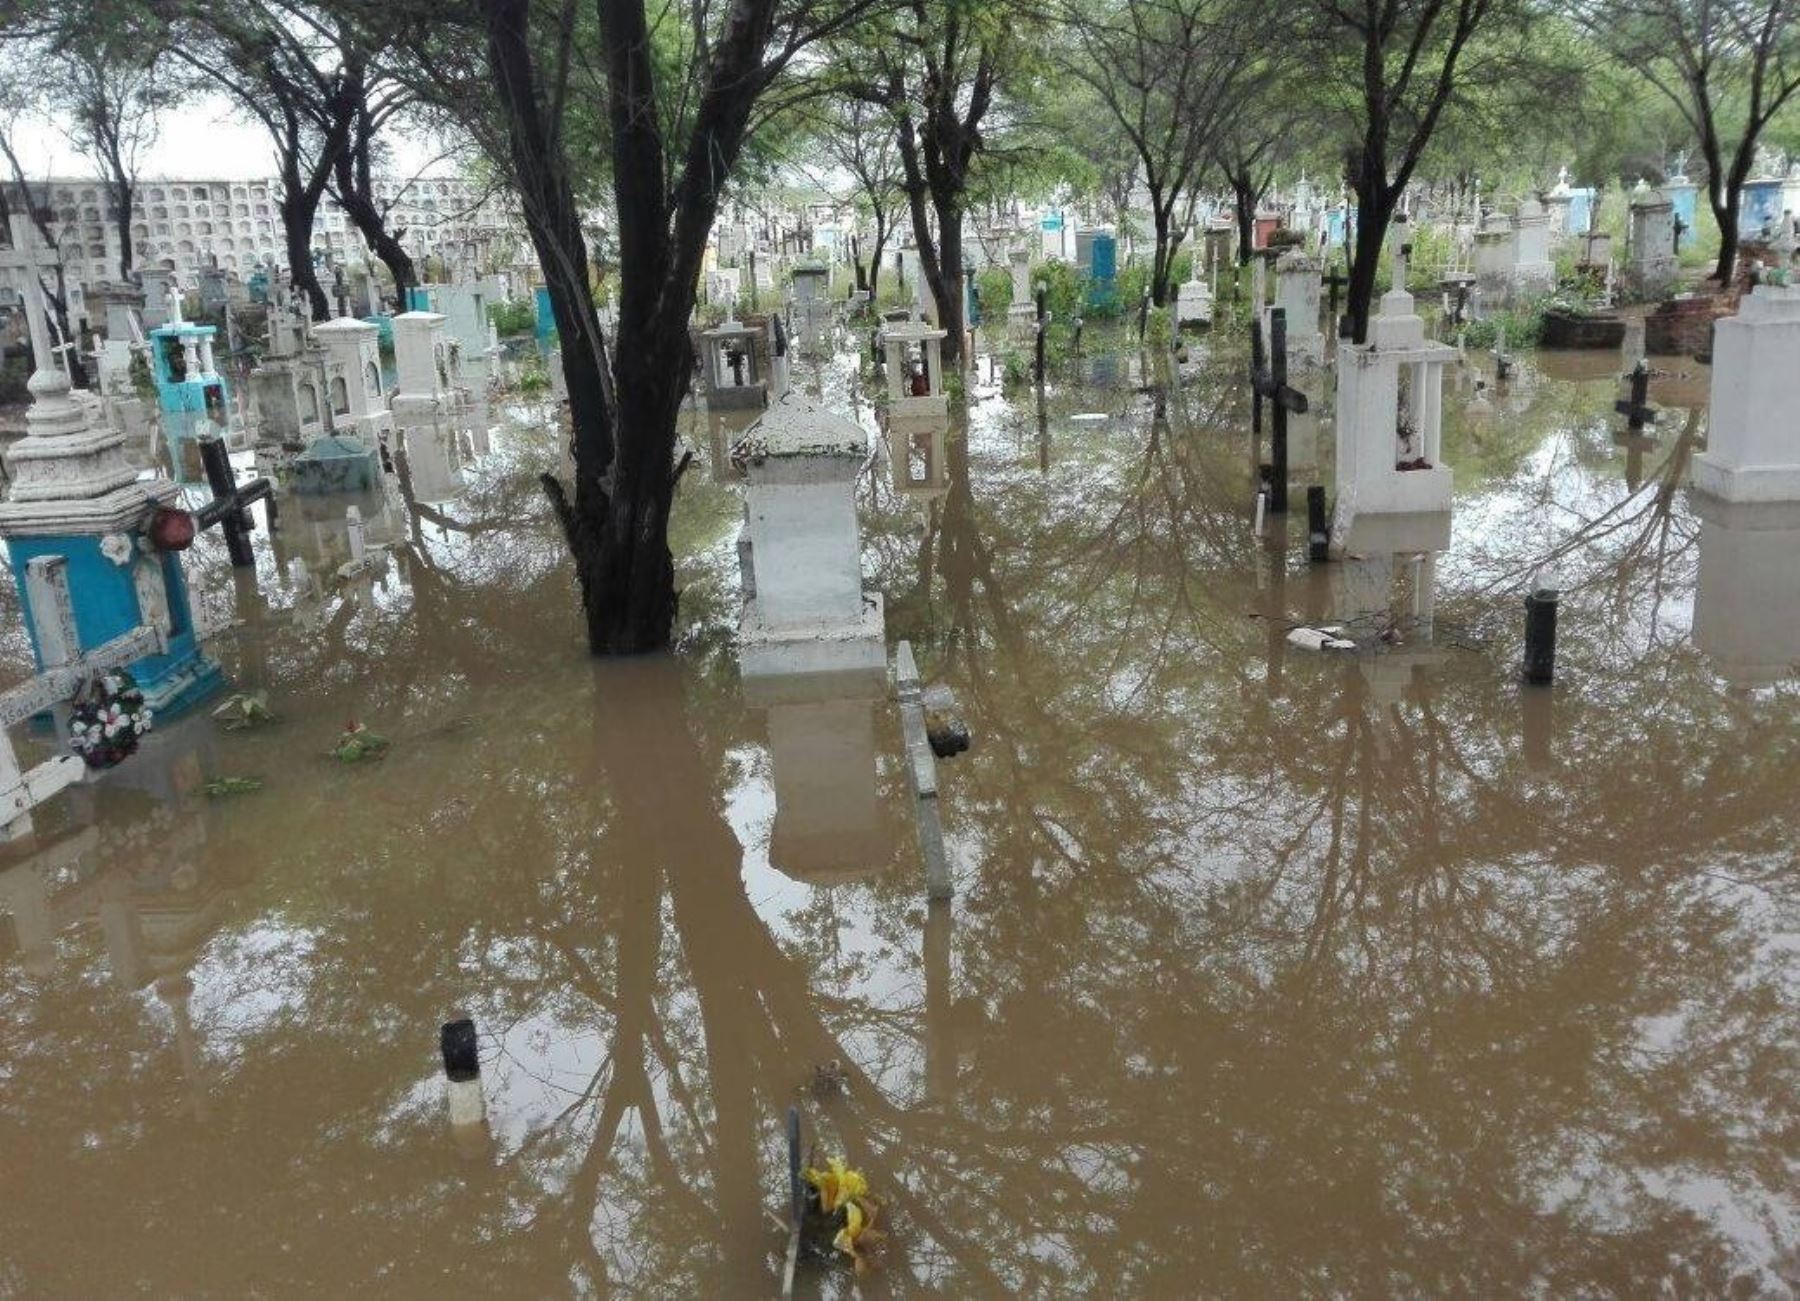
[732, 367]
[915, 372]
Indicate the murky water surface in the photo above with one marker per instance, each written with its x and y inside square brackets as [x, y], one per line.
[1268, 973]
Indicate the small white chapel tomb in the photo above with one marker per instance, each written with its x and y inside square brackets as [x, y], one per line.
[734, 378]
[800, 551]
[1390, 398]
[1753, 440]
[352, 377]
[915, 371]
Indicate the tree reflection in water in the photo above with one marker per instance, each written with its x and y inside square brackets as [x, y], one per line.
[1270, 975]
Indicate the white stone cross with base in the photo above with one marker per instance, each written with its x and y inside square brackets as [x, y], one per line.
[24, 257]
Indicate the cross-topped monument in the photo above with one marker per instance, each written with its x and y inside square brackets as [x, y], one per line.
[23, 257]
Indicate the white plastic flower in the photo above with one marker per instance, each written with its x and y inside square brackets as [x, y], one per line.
[117, 547]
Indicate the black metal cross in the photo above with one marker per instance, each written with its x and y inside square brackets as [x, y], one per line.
[230, 506]
[1043, 330]
[1272, 386]
[1333, 284]
[1637, 409]
[1680, 230]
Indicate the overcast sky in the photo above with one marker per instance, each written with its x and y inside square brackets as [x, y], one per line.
[204, 140]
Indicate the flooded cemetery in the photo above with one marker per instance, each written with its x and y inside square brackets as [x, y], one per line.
[1261, 964]
[840, 651]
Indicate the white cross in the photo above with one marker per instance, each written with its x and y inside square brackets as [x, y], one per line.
[24, 258]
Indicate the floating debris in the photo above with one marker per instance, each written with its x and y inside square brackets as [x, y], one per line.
[245, 710]
[222, 787]
[358, 743]
[1320, 639]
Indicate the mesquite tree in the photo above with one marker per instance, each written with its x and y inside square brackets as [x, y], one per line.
[1728, 66]
[681, 99]
[1171, 74]
[1389, 69]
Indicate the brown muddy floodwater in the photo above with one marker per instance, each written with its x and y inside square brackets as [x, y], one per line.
[1268, 974]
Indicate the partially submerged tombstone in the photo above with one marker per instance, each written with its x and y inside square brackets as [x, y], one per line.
[1021, 313]
[1652, 265]
[915, 372]
[800, 552]
[79, 524]
[426, 406]
[1390, 393]
[1753, 440]
[731, 364]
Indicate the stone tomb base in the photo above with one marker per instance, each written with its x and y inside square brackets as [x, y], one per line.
[820, 648]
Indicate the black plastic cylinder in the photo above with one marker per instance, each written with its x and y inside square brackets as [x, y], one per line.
[461, 1049]
[1540, 638]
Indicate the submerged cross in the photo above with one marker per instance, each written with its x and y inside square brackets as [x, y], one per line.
[1637, 409]
[230, 506]
[1274, 388]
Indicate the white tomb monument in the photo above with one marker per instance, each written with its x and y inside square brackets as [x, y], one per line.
[1495, 257]
[1390, 399]
[1652, 264]
[1297, 292]
[1194, 299]
[1533, 270]
[1753, 440]
[423, 396]
[1021, 314]
[915, 371]
[352, 377]
[800, 552]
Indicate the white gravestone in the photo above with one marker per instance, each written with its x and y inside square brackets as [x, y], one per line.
[1021, 315]
[1533, 270]
[1390, 414]
[1297, 291]
[352, 379]
[1753, 444]
[805, 610]
[1652, 264]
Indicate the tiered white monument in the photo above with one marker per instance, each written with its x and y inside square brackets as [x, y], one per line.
[1753, 440]
[800, 552]
[1390, 401]
[1194, 299]
[915, 371]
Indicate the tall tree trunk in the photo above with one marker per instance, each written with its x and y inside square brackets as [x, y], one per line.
[1374, 211]
[367, 219]
[123, 192]
[1164, 257]
[1243, 206]
[881, 238]
[299, 207]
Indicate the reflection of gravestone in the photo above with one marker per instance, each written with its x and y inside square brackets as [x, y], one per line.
[1747, 605]
[1753, 441]
[1390, 413]
[829, 826]
[805, 610]
[917, 457]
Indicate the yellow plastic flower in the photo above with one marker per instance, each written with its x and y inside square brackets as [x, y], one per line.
[837, 1184]
[858, 1234]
